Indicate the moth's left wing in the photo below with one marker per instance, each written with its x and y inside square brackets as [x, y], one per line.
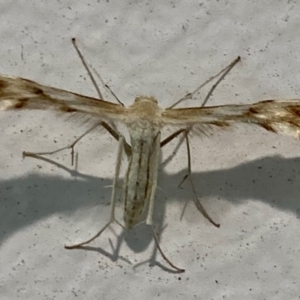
[20, 93]
[282, 116]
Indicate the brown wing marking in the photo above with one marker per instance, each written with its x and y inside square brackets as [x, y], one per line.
[19, 93]
[282, 116]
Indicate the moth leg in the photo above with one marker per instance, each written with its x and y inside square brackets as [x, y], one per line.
[189, 175]
[113, 132]
[153, 179]
[156, 239]
[171, 137]
[113, 199]
[71, 146]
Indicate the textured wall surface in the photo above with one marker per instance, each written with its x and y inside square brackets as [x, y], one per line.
[248, 179]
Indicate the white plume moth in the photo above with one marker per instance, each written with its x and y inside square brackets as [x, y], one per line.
[145, 120]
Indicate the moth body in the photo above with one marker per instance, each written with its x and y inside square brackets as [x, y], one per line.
[140, 180]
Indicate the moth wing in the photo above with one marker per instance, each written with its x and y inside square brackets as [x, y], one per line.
[281, 116]
[20, 93]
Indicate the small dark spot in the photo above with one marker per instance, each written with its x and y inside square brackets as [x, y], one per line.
[3, 84]
[220, 123]
[267, 101]
[67, 109]
[293, 123]
[207, 111]
[268, 127]
[294, 109]
[22, 103]
[32, 87]
[253, 111]
[37, 91]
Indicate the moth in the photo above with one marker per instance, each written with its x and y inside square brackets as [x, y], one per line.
[145, 120]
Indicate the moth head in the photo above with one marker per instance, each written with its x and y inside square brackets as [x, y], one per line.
[144, 109]
[145, 99]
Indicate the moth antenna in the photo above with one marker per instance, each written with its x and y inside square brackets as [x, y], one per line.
[87, 68]
[191, 94]
[91, 75]
[106, 86]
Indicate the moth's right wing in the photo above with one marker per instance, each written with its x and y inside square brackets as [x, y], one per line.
[20, 93]
[278, 116]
